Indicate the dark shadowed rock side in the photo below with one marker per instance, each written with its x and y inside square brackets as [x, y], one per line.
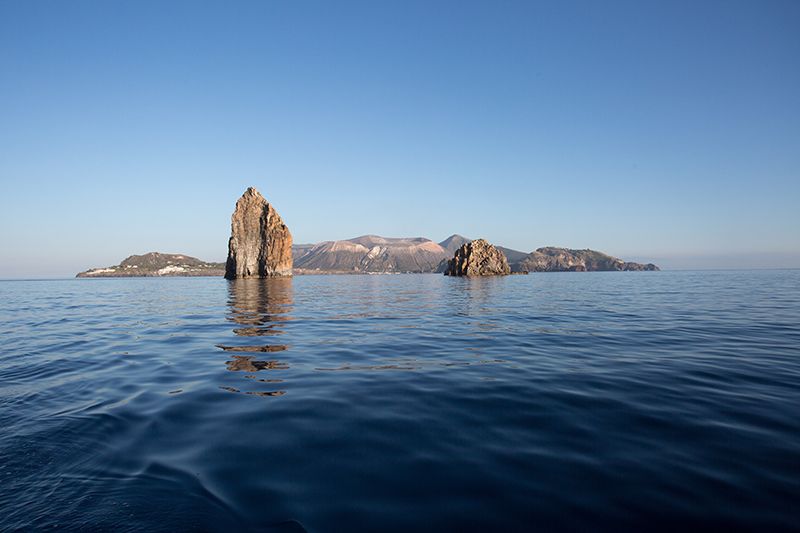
[551, 259]
[478, 258]
[260, 245]
[156, 264]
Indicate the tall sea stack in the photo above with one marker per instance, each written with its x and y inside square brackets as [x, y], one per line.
[260, 245]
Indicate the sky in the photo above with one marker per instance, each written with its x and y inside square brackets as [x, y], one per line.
[664, 131]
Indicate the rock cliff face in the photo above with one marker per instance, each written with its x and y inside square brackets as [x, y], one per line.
[155, 264]
[260, 244]
[478, 258]
[551, 259]
[372, 254]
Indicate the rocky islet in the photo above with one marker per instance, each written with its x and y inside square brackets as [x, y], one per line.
[478, 258]
[260, 245]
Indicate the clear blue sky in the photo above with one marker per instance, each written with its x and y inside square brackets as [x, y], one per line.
[665, 131]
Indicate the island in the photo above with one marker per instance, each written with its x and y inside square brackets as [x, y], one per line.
[156, 264]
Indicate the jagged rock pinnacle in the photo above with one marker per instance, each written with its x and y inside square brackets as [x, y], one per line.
[260, 244]
[478, 258]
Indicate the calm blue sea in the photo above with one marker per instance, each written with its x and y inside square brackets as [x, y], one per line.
[620, 400]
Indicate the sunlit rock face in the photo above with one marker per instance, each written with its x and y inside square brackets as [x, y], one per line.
[478, 258]
[260, 245]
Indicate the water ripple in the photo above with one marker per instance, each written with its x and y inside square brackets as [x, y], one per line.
[396, 403]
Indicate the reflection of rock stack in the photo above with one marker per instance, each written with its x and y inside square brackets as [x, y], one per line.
[259, 306]
[260, 245]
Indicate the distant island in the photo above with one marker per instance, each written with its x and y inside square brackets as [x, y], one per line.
[155, 264]
[372, 254]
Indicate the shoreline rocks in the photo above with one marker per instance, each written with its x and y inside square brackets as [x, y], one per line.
[260, 244]
[478, 258]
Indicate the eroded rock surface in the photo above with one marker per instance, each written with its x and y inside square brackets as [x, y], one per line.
[478, 258]
[260, 244]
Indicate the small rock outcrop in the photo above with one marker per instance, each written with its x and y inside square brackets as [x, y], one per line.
[478, 258]
[260, 245]
[455, 241]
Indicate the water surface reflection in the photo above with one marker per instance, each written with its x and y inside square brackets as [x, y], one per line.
[260, 307]
[606, 400]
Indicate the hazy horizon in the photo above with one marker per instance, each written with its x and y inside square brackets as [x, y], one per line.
[628, 128]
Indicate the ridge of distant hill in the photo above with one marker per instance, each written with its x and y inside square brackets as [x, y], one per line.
[554, 259]
[156, 264]
[454, 242]
[372, 254]
[299, 250]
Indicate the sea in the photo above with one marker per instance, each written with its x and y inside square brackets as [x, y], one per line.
[624, 401]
